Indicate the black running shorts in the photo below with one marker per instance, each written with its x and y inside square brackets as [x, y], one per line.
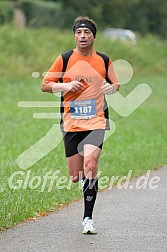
[75, 141]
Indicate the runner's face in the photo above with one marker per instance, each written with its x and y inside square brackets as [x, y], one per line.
[84, 38]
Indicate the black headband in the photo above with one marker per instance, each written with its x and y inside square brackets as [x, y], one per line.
[86, 24]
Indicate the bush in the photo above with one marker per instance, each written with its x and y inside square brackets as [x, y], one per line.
[41, 14]
[6, 11]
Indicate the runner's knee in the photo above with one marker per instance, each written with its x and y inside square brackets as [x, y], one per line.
[91, 168]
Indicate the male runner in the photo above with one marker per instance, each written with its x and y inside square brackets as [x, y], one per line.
[83, 109]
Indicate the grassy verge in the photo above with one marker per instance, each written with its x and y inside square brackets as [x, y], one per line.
[138, 144]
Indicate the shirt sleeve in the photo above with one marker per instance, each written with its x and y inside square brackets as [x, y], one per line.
[55, 71]
[111, 74]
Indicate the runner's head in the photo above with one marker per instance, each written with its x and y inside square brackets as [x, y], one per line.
[84, 22]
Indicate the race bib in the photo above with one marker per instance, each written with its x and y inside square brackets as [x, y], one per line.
[85, 109]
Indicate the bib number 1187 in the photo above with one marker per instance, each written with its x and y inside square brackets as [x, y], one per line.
[85, 109]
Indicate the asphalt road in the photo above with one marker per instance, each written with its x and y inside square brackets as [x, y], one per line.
[130, 220]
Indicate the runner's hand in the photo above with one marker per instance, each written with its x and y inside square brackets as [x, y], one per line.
[107, 88]
[73, 86]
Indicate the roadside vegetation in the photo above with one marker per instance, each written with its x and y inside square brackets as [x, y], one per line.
[138, 144]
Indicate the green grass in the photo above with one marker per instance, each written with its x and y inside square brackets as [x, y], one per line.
[138, 144]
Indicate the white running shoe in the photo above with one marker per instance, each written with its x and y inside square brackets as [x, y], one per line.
[88, 226]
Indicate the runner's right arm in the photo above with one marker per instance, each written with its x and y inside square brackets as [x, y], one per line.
[51, 82]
